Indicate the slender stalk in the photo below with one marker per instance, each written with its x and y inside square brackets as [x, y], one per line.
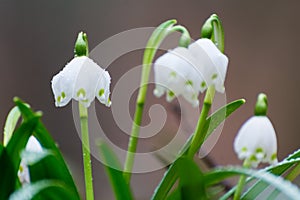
[155, 40]
[88, 178]
[241, 183]
[200, 134]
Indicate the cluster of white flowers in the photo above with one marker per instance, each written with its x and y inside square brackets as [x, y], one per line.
[188, 71]
[256, 141]
[83, 80]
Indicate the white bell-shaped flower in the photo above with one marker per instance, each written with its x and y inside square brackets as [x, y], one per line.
[256, 141]
[176, 75]
[83, 80]
[211, 62]
[188, 71]
[33, 146]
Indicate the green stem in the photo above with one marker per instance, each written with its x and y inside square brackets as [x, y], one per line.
[241, 183]
[155, 40]
[200, 133]
[213, 30]
[83, 114]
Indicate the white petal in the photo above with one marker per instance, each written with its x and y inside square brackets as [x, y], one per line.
[102, 90]
[211, 62]
[176, 75]
[64, 82]
[86, 82]
[257, 137]
[33, 145]
[23, 174]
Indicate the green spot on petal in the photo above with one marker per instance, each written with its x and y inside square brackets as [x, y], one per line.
[244, 149]
[63, 95]
[274, 156]
[259, 150]
[171, 94]
[101, 92]
[214, 76]
[203, 84]
[58, 99]
[253, 158]
[189, 82]
[81, 92]
[173, 74]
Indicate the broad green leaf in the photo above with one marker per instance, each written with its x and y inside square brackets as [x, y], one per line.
[54, 166]
[19, 140]
[10, 157]
[57, 190]
[212, 123]
[10, 124]
[7, 174]
[191, 184]
[121, 188]
[215, 120]
[287, 188]
[1, 149]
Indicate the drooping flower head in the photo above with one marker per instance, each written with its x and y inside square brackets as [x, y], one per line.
[256, 140]
[188, 71]
[81, 79]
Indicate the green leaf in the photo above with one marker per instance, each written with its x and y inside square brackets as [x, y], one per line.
[10, 157]
[10, 124]
[278, 169]
[7, 174]
[121, 188]
[260, 186]
[55, 190]
[190, 179]
[19, 140]
[52, 167]
[212, 123]
[215, 120]
[287, 188]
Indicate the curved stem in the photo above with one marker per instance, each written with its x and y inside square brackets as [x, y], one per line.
[155, 40]
[88, 177]
[241, 183]
[185, 38]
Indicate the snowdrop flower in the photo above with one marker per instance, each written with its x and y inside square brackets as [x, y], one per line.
[256, 140]
[210, 62]
[83, 80]
[176, 75]
[188, 71]
[33, 146]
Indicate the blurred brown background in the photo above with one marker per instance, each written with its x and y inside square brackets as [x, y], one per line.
[262, 42]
